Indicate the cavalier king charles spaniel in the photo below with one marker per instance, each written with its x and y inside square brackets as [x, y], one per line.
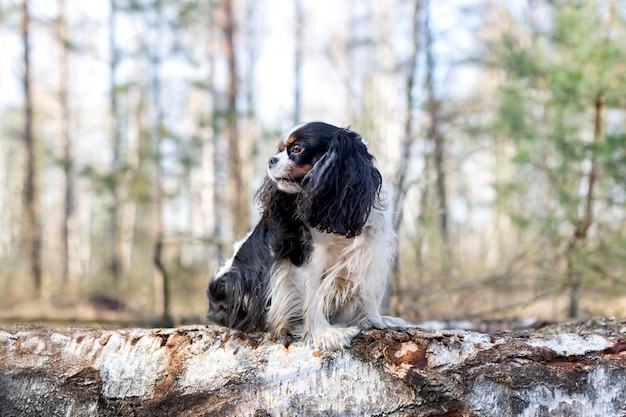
[317, 263]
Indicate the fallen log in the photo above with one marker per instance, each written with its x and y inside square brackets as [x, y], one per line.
[578, 370]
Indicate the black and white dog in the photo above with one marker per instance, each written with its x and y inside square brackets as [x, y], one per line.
[317, 263]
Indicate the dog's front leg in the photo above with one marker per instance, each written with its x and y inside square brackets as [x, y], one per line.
[285, 300]
[320, 294]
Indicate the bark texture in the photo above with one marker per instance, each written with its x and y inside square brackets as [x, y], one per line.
[207, 371]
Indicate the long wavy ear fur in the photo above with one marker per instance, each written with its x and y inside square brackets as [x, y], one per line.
[339, 192]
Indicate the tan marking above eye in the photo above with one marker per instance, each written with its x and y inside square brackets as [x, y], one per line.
[281, 147]
[290, 140]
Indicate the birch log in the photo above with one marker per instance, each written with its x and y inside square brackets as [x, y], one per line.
[208, 371]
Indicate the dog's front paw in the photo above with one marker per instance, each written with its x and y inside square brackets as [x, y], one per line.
[390, 321]
[334, 337]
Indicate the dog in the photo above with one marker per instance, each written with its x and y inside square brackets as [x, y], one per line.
[317, 263]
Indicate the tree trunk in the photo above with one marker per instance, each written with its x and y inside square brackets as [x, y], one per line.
[237, 186]
[115, 263]
[207, 371]
[400, 187]
[216, 149]
[162, 280]
[586, 219]
[67, 158]
[435, 134]
[299, 41]
[31, 199]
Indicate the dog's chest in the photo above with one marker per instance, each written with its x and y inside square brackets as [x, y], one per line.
[330, 244]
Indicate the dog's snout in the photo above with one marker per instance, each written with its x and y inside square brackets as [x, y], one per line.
[273, 161]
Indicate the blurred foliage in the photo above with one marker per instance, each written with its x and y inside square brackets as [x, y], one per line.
[519, 137]
[556, 74]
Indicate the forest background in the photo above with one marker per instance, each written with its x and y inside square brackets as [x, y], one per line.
[133, 134]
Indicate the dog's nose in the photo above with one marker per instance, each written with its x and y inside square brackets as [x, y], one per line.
[273, 160]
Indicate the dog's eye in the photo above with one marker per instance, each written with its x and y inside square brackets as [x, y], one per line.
[297, 149]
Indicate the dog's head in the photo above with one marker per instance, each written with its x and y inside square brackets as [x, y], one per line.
[331, 174]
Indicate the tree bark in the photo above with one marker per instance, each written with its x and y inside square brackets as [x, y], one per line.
[299, 47]
[207, 371]
[586, 219]
[115, 263]
[162, 278]
[31, 198]
[237, 185]
[435, 134]
[67, 225]
[400, 186]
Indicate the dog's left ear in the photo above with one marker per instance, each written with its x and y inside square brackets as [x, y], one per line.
[340, 190]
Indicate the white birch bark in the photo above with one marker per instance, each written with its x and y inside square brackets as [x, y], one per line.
[208, 371]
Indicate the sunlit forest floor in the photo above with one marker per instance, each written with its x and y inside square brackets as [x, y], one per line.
[94, 305]
[483, 310]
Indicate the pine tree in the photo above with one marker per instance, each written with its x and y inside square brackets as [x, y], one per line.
[552, 108]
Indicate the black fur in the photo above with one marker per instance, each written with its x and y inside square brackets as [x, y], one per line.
[238, 298]
[337, 196]
[339, 192]
[241, 290]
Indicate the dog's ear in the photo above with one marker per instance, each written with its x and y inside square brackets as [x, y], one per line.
[340, 190]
